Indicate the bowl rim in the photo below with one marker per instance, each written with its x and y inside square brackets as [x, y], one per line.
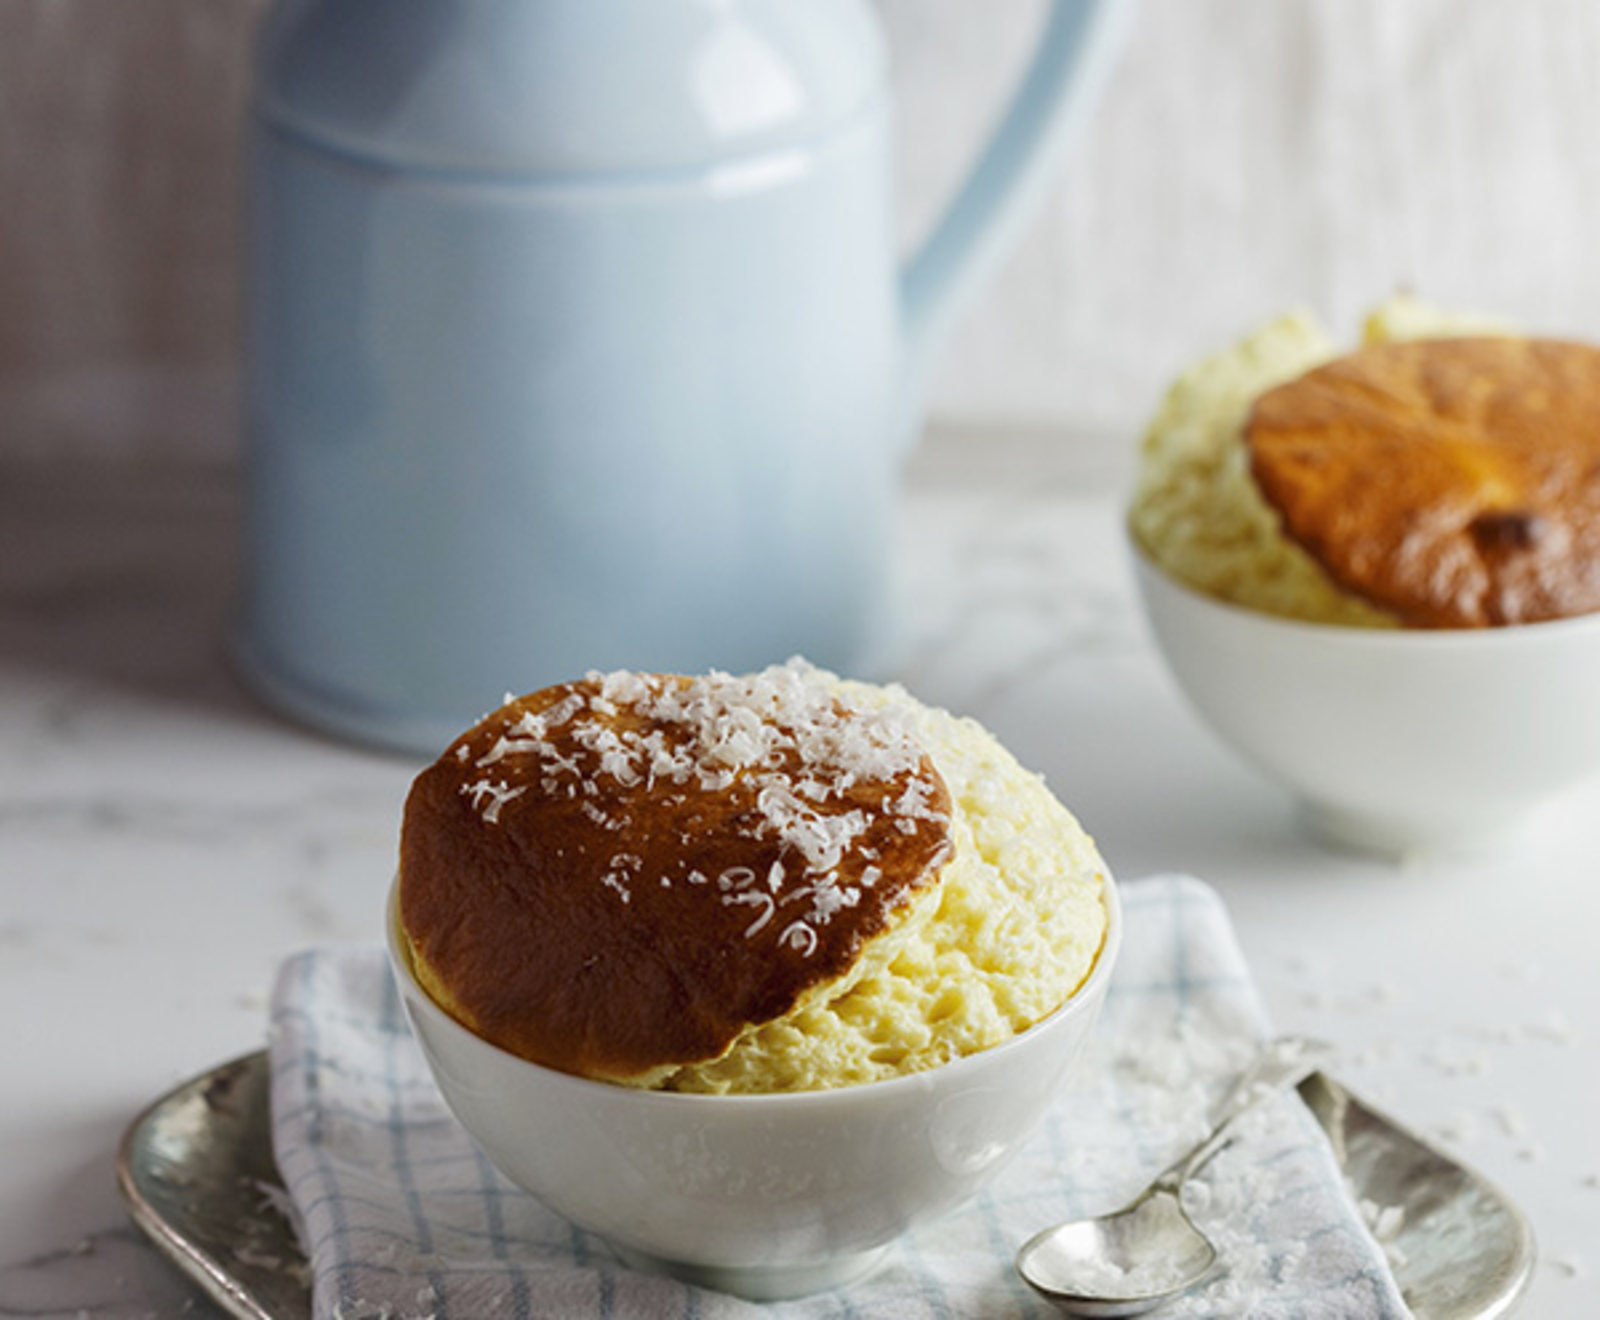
[1486, 638]
[1084, 999]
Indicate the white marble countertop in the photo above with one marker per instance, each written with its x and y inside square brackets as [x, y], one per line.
[164, 842]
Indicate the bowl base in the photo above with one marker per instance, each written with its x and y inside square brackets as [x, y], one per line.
[1373, 834]
[762, 1283]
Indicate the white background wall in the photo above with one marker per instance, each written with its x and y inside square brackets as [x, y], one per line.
[1253, 154]
[1250, 154]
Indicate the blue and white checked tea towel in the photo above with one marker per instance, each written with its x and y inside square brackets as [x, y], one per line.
[402, 1218]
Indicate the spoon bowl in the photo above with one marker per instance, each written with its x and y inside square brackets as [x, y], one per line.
[1111, 1257]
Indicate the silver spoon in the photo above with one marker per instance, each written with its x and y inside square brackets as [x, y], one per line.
[1133, 1259]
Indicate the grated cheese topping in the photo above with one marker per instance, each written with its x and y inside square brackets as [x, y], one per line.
[785, 736]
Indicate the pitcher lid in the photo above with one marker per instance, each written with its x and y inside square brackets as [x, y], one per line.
[566, 87]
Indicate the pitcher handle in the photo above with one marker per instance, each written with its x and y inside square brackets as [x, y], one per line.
[1070, 64]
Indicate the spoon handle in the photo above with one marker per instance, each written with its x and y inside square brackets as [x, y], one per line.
[1286, 1061]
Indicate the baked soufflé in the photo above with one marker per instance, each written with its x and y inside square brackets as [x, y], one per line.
[1445, 474]
[742, 884]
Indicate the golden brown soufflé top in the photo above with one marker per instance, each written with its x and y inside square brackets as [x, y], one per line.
[1452, 482]
[616, 876]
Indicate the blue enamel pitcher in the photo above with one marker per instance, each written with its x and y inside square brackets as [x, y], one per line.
[578, 339]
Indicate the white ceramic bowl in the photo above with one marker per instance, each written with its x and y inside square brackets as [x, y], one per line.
[766, 1195]
[1400, 742]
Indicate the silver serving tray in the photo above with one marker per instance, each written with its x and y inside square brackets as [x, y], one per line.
[197, 1175]
[1462, 1251]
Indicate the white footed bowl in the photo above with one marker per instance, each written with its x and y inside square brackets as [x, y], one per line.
[764, 1195]
[1397, 742]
